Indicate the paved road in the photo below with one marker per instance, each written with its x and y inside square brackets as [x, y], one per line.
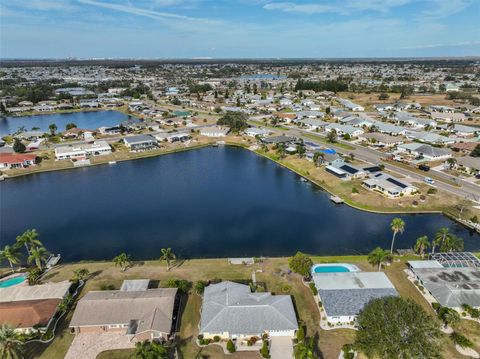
[464, 189]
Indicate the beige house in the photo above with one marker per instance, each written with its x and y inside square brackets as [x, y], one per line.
[134, 310]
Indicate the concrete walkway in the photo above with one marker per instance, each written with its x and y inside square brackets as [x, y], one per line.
[281, 348]
[89, 345]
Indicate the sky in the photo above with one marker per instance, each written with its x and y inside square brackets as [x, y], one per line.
[238, 29]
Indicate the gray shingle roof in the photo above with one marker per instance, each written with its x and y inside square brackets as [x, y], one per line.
[350, 302]
[233, 308]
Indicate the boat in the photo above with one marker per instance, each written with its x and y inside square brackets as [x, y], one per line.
[112, 162]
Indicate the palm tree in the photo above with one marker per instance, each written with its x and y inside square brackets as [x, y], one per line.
[440, 238]
[33, 276]
[305, 349]
[53, 128]
[123, 260]
[451, 162]
[421, 245]
[397, 226]
[452, 244]
[167, 255]
[10, 346]
[450, 317]
[81, 273]
[150, 349]
[38, 255]
[11, 254]
[29, 239]
[379, 256]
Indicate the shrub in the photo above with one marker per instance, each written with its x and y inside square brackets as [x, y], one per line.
[320, 304]
[461, 340]
[107, 287]
[230, 346]
[200, 286]
[436, 306]
[216, 338]
[313, 288]
[264, 352]
[432, 191]
[300, 334]
[182, 284]
[354, 190]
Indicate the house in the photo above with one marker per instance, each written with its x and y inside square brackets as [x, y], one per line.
[345, 171]
[388, 185]
[81, 152]
[140, 142]
[311, 124]
[344, 294]
[135, 311]
[465, 131]
[231, 311]
[448, 116]
[425, 151]
[31, 307]
[16, 160]
[450, 286]
[214, 131]
[381, 139]
[255, 131]
[114, 130]
[464, 147]
[276, 140]
[430, 137]
[350, 105]
[343, 130]
[467, 164]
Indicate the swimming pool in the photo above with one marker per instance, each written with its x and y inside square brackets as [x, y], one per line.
[334, 268]
[12, 281]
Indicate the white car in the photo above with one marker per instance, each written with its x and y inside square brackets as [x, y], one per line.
[428, 180]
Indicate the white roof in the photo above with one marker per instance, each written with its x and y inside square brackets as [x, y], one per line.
[34, 292]
[352, 280]
[424, 264]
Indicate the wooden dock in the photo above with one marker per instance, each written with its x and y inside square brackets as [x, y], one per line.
[336, 199]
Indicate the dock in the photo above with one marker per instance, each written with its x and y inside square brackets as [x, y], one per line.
[336, 199]
[53, 260]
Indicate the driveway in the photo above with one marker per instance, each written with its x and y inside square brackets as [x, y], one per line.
[281, 348]
[89, 345]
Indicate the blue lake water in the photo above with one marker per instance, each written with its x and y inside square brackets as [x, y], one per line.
[84, 120]
[212, 202]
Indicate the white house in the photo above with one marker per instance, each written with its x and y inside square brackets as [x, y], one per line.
[388, 185]
[425, 151]
[214, 131]
[81, 152]
[231, 311]
[344, 129]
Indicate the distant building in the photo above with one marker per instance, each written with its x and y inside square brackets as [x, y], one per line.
[16, 160]
[140, 142]
[388, 185]
[81, 152]
[214, 131]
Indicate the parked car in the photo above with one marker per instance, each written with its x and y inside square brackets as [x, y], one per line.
[424, 168]
[428, 180]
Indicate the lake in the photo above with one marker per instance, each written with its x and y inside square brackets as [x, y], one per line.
[90, 120]
[211, 202]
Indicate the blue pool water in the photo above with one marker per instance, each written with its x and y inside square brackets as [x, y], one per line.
[330, 269]
[12, 281]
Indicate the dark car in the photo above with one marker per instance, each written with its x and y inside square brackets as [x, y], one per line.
[424, 168]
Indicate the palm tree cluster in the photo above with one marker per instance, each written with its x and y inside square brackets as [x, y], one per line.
[10, 345]
[443, 240]
[35, 251]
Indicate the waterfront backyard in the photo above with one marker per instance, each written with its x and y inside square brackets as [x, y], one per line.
[274, 275]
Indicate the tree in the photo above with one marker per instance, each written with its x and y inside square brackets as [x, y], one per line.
[421, 245]
[305, 349]
[53, 129]
[10, 254]
[123, 261]
[378, 257]
[81, 273]
[300, 333]
[397, 226]
[29, 239]
[38, 255]
[70, 125]
[230, 346]
[451, 162]
[167, 256]
[332, 136]
[318, 157]
[476, 151]
[440, 238]
[301, 263]
[452, 244]
[10, 346]
[236, 121]
[18, 146]
[393, 327]
[448, 316]
[150, 350]
[33, 276]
